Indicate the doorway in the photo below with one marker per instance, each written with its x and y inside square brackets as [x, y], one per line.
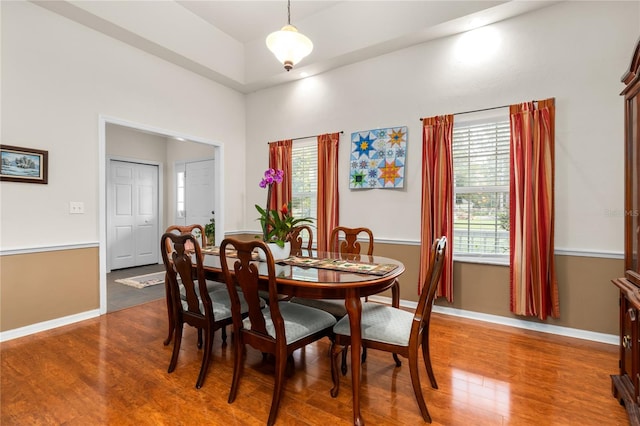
[171, 138]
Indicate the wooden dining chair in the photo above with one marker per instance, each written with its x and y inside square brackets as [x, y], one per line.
[197, 231]
[296, 238]
[199, 308]
[397, 331]
[278, 329]
[346, 242]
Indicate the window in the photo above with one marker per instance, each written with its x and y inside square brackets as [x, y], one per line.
[304, 185]
[180, 206]
[481, 188]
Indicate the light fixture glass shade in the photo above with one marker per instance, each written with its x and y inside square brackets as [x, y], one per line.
[289, 46]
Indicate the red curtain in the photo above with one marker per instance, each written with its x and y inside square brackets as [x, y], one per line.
[534, 287]
[327, 188]
[280, 158]
[437, 197]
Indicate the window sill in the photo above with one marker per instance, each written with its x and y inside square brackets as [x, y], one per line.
[486, 260]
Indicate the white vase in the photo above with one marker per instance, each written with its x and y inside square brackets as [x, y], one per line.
[278, 252]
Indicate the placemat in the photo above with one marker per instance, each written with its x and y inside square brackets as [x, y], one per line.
[215, 251]
[341, 265]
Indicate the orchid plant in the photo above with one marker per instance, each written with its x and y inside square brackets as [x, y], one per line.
[276, 224]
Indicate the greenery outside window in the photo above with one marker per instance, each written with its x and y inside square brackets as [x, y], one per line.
[481, 190]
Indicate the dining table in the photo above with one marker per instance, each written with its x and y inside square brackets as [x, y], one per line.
[327, 275]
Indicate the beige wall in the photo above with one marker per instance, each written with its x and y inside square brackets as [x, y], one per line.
[588, 300]
[45, 286]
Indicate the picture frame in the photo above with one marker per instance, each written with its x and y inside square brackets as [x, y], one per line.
[18, 164]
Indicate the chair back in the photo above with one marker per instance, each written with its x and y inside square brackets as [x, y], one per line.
[430, 286]
[180, 265]
[245, 276]
[344, 240]
[296, 240]
[186, 229]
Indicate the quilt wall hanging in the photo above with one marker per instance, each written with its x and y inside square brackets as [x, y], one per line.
[378, 157]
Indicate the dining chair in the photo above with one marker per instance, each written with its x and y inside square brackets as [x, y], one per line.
[207, 311]
[278, 329]
[196, 230]
[345, 240]
[296, 238]
[397, 331]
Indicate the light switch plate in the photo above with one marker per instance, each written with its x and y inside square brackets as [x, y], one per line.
[76, 207]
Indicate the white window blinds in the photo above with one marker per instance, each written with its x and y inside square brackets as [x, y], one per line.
[304, 179]
[481, 188]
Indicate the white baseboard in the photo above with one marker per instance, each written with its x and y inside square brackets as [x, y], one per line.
[611, 339]
[47, 325]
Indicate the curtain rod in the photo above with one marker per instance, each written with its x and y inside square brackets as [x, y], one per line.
[480, 110]
[308, 137]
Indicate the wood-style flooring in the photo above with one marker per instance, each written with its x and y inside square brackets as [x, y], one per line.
[112, 370]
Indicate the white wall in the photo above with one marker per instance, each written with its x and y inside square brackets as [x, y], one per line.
[57, 78]
[573, 51]
[132, 144]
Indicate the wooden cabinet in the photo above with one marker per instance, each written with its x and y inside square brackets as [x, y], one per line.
[626, 385]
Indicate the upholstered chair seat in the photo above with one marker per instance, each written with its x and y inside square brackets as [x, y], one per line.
[299, 321]
[381, 323]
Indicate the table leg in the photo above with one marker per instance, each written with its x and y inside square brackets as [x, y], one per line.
[354, 309]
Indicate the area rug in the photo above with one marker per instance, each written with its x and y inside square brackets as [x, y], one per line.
[142, 281]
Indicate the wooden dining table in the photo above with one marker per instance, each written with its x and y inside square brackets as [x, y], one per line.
[320, 283]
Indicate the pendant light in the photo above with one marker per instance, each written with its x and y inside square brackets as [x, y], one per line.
[289, 46]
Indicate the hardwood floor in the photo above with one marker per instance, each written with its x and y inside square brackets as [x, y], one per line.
[112, 370]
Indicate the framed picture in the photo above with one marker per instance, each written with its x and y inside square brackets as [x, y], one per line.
[23, 164]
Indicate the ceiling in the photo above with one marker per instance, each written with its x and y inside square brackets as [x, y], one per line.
[224, 40]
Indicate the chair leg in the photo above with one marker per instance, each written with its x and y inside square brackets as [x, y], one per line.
[170, 313]
[281, 365]
[237, 367]
[224, 335]
[417, 390]
[364, 354]
[199, 338]
[176, 348]
[395, 302]
[335, 350]
[427, 359]
[206, 359]
[397, 360]
[343, 367]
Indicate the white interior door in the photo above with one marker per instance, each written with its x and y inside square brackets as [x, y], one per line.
[199, 192]
[132, 214]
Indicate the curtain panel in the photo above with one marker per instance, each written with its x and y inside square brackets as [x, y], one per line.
[437, 197]
[280, 158]
[328, 206]
[533, 283]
